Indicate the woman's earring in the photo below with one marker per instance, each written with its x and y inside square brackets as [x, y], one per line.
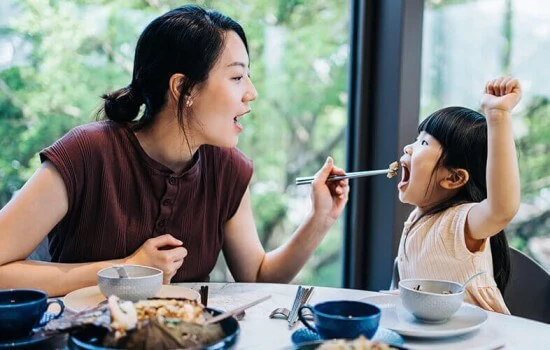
[188, 103]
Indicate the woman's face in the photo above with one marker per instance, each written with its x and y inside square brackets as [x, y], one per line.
[419, 184]
[219, 104]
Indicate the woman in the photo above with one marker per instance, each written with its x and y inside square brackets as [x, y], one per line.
[168, 189]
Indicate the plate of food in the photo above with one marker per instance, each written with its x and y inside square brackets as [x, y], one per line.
[347, 344]
[305, 339]
[394, 316]
[159, 323]
[36, 339]
[90, 297]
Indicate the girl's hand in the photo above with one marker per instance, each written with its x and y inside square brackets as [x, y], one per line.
[163, 252]
[501, 94]
[329, 198]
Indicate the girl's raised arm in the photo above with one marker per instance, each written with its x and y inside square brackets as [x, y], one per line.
[503, 185]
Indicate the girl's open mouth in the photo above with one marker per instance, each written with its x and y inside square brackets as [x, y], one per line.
[405, 174]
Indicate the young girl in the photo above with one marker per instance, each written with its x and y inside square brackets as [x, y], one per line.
[462, 175]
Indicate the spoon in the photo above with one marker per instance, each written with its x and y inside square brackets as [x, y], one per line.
[121, 271]
[470, 280]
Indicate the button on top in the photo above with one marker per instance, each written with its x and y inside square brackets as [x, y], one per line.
[161, 223]
[172, 181]
[166, 202]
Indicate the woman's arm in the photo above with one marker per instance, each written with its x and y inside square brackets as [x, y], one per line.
[244, 253]
[503, 187]
[24, 222]
[27, 219]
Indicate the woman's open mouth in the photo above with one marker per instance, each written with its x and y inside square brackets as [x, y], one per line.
[236, 119]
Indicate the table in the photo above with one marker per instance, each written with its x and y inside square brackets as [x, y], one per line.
[258, 331]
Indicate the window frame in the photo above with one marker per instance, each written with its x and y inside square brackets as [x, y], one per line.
[383, 109]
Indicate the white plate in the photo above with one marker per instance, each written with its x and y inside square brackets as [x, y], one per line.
[91, 296]
[394, 316]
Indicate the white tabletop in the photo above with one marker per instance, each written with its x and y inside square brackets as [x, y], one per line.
[258, 331]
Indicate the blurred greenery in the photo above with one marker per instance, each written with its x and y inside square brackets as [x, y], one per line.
[71, 52]
[534, 147]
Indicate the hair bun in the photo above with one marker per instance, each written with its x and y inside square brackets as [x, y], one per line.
[122, 105]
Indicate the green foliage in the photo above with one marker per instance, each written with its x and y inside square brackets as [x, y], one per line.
[534, 147]
[518, 243]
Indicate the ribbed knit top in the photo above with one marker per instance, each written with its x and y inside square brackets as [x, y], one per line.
[118, 197]
[435, 247]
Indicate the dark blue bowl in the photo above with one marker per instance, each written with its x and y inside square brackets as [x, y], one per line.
[91, 338]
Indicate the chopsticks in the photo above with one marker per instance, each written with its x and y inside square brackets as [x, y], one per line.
[295, 305]
[235, 311]
[302, 297]
[390, 172]
[204, 295]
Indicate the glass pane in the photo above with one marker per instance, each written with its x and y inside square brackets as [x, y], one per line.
[465, 43]
[58, 57]
[299, 66]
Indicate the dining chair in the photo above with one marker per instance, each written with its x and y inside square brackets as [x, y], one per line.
[394, 284]
[41, 253]
[528, 291]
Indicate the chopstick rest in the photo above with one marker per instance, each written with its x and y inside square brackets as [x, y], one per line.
[283, 313]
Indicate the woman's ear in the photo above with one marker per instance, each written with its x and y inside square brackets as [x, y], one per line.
[175, 82]
[456, 179]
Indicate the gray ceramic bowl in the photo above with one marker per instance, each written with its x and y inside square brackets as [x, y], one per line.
[143, 282]
[431, 302]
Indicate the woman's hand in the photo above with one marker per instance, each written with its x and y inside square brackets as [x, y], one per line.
[163, 252]
[329, 198]
[501, 94]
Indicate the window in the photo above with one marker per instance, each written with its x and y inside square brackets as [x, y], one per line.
[299, 65]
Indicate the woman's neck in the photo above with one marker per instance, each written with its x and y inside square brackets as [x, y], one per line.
[165, 142]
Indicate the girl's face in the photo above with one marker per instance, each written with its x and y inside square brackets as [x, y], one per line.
[219, 103]
[420, 185]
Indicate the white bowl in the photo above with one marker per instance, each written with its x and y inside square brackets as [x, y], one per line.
[143, 282]
[430, 300]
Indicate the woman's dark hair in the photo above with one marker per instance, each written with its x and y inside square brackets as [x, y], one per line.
[462, 133]
[187, 40]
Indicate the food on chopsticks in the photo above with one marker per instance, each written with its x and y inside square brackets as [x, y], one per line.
[393, 170]
[154, 323]
[360, 343]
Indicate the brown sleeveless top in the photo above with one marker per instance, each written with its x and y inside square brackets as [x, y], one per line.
[119, 197]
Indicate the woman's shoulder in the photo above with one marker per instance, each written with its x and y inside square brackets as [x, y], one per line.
[97, 130]
[85, 142]
[230, 165]
[228, 156]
